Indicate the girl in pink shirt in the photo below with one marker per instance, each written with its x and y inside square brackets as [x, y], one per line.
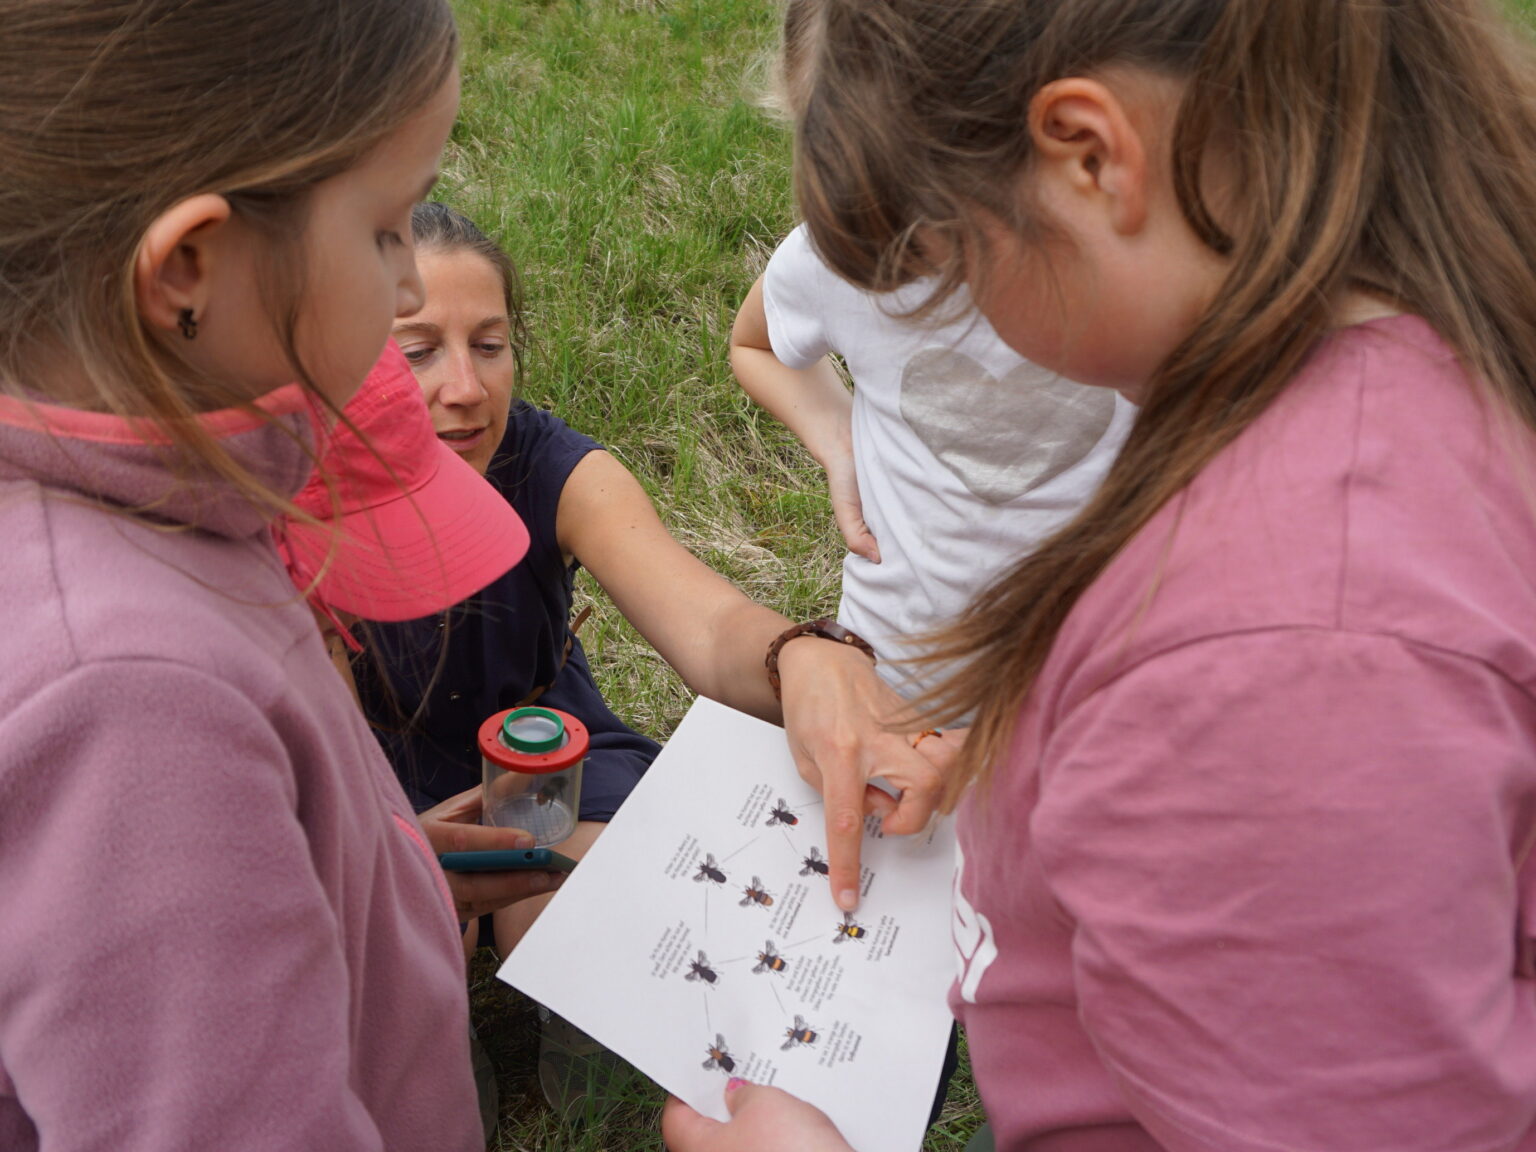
[204, 201]
[1250, 801]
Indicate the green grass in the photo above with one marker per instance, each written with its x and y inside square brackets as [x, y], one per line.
[618, 152]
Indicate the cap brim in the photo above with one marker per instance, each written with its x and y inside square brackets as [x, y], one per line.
[417, 554]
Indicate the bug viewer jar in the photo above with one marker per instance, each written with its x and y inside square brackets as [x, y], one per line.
[531, 762]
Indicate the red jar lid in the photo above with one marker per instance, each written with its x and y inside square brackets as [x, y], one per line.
[494, 748]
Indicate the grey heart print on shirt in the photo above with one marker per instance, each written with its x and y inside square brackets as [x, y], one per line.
[1002, 438]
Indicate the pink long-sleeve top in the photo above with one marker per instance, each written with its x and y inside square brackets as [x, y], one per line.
[221, 926]
[1257, 874]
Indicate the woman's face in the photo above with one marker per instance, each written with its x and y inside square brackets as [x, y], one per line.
[459, 345]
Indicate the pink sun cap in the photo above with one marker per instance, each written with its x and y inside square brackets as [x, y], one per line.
[420, 530]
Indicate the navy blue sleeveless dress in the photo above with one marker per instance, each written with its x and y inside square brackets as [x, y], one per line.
[497, 648]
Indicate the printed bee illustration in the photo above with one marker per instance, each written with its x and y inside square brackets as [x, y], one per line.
[700, 970]
[768, 960]
[719, 1057]
[709, 870]
[849, 930]
[781, 814]
[551, 792]
[756, 894]
[800, 1033]
[814, 863]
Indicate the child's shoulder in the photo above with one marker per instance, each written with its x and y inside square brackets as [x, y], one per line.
[104, 589]
[810, 309]
[1381, 494]
[799, 286]
[796, 270]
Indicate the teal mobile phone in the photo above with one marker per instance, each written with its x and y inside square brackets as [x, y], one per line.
[514, 860]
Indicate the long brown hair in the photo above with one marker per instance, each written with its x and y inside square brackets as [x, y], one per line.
[111, 111]
[1384, 147]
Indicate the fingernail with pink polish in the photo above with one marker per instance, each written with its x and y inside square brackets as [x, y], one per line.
[734, 1083]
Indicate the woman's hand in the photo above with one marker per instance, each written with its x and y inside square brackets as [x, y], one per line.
[837, 716]
[835, 709]
[454, 826]
[941, 748]
[762, 1120]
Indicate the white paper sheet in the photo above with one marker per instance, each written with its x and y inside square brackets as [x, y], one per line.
[699, 940]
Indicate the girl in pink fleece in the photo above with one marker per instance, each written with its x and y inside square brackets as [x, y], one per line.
[204, 201]
[1250, 799]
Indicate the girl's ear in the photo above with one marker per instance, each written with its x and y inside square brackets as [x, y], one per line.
[171, 273]
[1086, 143]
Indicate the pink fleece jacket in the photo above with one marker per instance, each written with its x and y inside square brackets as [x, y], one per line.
[222, 928]
[1258, 874]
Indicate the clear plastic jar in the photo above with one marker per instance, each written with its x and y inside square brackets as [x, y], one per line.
[531, 760]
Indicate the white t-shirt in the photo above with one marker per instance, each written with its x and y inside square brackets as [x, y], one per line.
[967, 455]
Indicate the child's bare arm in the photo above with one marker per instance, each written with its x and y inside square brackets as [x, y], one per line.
[814, 404]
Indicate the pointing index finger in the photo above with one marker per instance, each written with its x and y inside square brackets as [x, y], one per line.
[844, 799]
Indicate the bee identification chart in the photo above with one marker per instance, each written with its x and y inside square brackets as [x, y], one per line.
[699, 940]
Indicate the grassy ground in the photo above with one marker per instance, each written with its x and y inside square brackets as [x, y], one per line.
[617, 150]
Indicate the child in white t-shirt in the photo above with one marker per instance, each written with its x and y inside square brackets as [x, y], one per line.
[951, 458]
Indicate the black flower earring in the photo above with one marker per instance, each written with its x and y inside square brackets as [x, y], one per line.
[187, 323]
